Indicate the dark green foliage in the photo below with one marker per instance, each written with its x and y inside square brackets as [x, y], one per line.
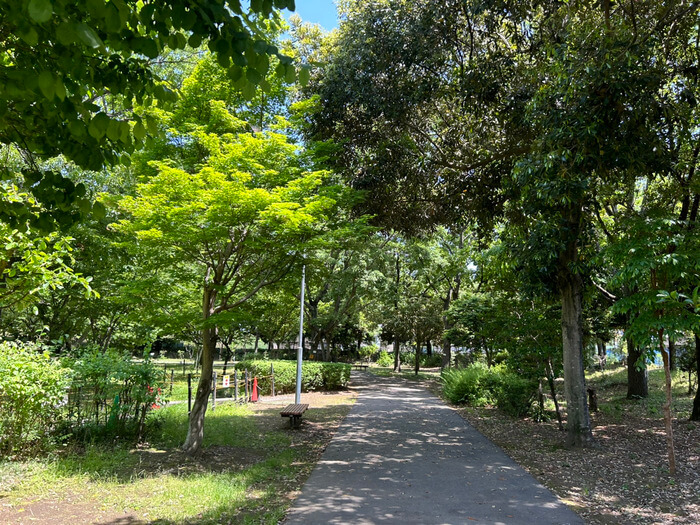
[478, 385]
[512, 393]
[314, 376]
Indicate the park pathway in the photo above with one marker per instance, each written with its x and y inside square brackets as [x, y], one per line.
[403, 456]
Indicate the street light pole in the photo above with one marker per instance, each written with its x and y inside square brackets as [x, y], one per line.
[300, 350]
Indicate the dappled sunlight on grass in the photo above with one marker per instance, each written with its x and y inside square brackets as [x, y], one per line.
[249, 462]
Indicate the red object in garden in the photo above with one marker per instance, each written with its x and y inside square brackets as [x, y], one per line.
[254, 395]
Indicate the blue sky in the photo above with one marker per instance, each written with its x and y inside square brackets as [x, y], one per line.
[321, 12]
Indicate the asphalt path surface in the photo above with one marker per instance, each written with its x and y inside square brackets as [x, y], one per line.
[403, 456]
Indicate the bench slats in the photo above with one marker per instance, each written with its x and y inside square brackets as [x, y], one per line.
[294, 410]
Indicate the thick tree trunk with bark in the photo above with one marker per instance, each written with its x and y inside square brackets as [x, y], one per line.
[446, 325]
[637, 379]
[695, 416]
[578, 419]
[446, 354]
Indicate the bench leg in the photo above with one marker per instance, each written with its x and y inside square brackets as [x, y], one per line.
[295, 421]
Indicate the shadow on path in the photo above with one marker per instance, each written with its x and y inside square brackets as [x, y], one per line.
[403, 456]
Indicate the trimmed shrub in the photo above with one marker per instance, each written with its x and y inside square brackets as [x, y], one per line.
[32, 390]
[385, 359]
[335, 375]
[314, 376]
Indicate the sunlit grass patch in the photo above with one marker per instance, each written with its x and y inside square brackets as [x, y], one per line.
[249, 462]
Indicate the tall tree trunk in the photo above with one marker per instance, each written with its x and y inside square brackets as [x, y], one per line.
[668, 420]
[417, 363]
[695, 416]
[637, 379]
[578, 419]
[672, 353]
[397, 355]
[397, 341]
[487, 352]
[428, 348]
[446, 354]
[446, 325]
[602, 358]
[195, 430]
[227, 357]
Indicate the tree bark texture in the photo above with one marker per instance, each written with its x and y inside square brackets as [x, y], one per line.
[668, 420]
[446, 325]
[397, 355]
[195, 430]
[578, 419]
[672, 353]
[637, 379]
[397, 341]
[417, 363]
[695, 416]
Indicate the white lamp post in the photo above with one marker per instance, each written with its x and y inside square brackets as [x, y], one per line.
[300, 350]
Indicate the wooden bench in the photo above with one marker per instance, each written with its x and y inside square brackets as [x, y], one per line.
[358, 366]
[294, 413]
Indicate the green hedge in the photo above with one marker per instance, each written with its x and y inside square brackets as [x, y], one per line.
[477, 385]
[426, 361]
[314, 376]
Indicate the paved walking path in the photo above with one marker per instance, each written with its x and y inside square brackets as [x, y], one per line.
[403, 456]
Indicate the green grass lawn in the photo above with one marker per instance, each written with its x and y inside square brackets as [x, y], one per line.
[613, 386]
[249, 463]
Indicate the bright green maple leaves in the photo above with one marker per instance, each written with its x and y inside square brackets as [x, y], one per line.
[72, 71]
